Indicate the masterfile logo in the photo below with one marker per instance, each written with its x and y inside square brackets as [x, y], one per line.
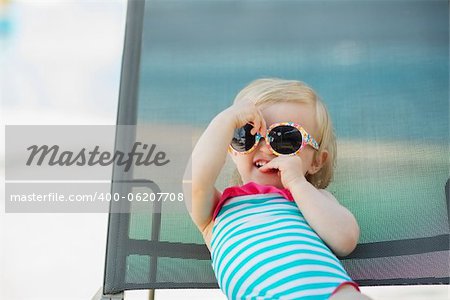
[91, 152]
[53, 156]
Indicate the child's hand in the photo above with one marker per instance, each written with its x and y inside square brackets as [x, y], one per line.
[246, 112]
[290, 168]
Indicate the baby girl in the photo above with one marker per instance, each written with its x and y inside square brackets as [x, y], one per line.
[276, 233]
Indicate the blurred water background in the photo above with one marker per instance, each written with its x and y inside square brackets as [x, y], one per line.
[361, 56]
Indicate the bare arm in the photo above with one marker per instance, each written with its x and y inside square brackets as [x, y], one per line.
[331, 221]
[208, 158]
[335, 224]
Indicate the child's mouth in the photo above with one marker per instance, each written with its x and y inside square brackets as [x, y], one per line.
[259, 163]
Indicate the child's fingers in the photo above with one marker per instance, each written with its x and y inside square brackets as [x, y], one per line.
[263, 127]
[259, 123]
[270, 165]
[256, 123]
[251, 114]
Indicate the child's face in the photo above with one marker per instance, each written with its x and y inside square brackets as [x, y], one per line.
[303, 114]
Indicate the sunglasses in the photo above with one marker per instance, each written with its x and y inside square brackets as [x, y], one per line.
[286, 138]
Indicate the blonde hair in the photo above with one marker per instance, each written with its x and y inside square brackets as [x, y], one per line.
[275, 90]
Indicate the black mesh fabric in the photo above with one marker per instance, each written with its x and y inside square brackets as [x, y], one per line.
[382, 69]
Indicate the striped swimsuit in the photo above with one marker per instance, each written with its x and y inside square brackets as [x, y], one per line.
[263, 248]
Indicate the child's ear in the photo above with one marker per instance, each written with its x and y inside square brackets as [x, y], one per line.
[318, 162]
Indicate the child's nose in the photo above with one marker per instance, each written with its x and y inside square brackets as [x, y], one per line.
[262, 146]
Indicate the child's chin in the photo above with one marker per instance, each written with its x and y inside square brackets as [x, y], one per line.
[270, 179]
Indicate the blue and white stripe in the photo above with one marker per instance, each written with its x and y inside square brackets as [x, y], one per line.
[263, 248]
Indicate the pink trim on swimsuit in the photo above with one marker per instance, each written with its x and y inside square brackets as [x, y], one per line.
[250, 188]
[352, 283]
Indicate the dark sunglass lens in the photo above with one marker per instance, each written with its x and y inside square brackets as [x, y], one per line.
[243, 140]
[285, 139]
